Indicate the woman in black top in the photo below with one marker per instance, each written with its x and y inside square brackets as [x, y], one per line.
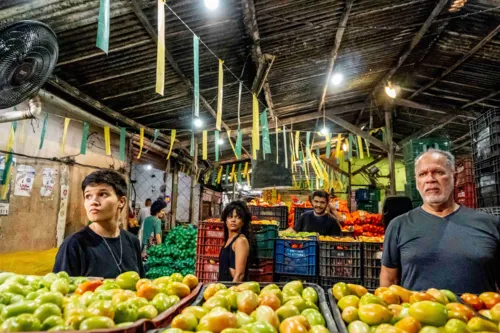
[233, 258]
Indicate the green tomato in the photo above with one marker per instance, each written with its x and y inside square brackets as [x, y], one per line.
[54, 297]
[147, 312]
[18, 309]
[18, 279]
[16, 299]
[48, 279]
[60, 328]
[14, 288]
[51, 322]
[161, 302]
[21, 323]
[32, 296]
[100, 309]
[127, 324]
[4, 298]
[128, 280]
[125, 312]
[61, 285]
[72, 288]
[63, 275]
[107, 286]
[97, 322]
[139, 302]
[314, 317]
[310, 294]
[4, 276]
[47, 310]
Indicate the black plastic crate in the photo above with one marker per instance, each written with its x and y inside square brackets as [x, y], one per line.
[487, 179]
[368, 206]
[303, 278]
[492, 200]
[490, 210]
[277, 213]
[328, 282]
[491, 165]
[371, 284]
[486, 148]
[372, 257]
[298, 212]
[340, 259]
[488, 119]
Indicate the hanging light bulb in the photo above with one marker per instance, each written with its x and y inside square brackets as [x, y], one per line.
[221, 141]
[391, 91]
[337, 79]
[324, 131]
[148, 167]
[197, 122]
[212, 4]
[344, 147]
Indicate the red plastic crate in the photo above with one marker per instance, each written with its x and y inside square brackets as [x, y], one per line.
[466, 195]
[207, 268]
[263, 272]
[210, 238]
[465, 171]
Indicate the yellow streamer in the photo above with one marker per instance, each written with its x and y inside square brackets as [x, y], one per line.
[8, 148]
[160, 52]
[245, 170]
[22, 132]
[255, 127]
[297, 137]
[107, 140]
[65, 132]
[231, 142]
[248, 180]
[219, 175]
[339, 146]
[360, 147]
[205, 144]
[172, 142]
[367, 148]
[141, 142]
[233, 174]
[220, 96]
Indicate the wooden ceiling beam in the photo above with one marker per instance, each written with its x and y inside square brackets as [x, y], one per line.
[479, 100]
[335, 51]
[150, 29]
[450, 69]
[430, 108]
[426, 130]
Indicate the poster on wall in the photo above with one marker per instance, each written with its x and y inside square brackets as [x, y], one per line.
[24, 180]
[48, 182]
[4, 201]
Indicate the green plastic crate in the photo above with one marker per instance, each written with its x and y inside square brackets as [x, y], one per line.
[265, 236]
[414, 148]
[411, 191]
[368, 206]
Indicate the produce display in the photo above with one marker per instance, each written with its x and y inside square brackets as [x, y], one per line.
[247, 308]
[176, 254]
[303, 235]
[296, 203]
[398, 310]
[363, 223]
[56, 302]
[265, 222]
[336, 239]
[263, 203]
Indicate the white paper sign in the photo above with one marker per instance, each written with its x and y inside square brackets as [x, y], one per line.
[24, 180]
[4, 209]
[48, 182]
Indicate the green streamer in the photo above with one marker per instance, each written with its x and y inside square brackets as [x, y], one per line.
[301, 157]
[328, 145]
[216, 134]
[239, 140]
[85, 135]
[349, 151]
[227, 174]
[191, 149]
[44, 130]
[8, 158]
[318, 152]
[239, 173]
[123, 136]
[155, 135]
[357, 147]
[266, 143]
[103, 26]
[196, 56]
[308, 144]
[214, 174]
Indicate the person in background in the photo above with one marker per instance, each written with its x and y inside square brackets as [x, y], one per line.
[101, 248]
[441, 244]
[151, 228]
[233, 257]
[133, 224]
[144, 212]
[318, 220]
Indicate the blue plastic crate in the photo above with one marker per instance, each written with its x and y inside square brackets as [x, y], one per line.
[296, 257]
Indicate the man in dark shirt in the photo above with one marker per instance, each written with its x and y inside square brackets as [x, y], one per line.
[101, 249]
[441, 244]
[318, 220]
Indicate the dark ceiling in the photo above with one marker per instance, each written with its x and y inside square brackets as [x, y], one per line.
[301, 35]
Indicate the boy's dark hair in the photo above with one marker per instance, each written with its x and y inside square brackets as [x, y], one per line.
[148, 199]
[157, 206]
[319, 193]
[108, 177]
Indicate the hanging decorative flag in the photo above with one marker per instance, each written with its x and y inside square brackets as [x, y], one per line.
[44, 130]
[103, 26]
[255, 127]
[266, 143]
[123, 137]
[160, 50]
[218, 120]
[349, 150]
[204, 145]
[214, 176]
[248, 180]
[245, 170]
[231, 142]
[297, 139]
[355, 144]
[141, 142]
[85, 135]
[239, 143]
[239, 103]
[233, 173]
[308, 144]
[227, 174]
[219, 175]
[65, 132]
[339, 146]
[216, 139]
[196, 56]
[276, 129]
[284, 146]
[8, 149]
[191, 149]
[172, 142]
[367, 148]
[239, 173]
[107, 140]
[361, 154]
[328, 145]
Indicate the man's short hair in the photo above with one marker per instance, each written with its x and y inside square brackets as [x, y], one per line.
[148, 199]
[319, 193]
[108, 177]
[157, 206]
[450, 159]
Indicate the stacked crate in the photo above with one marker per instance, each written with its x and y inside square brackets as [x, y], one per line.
[485, 135]
[340, 262]
[372, 262]
[276, 213]
[296, 257]
[411, 150]
[367, 200]
[262, 260]
[210, 242]
[465, 188]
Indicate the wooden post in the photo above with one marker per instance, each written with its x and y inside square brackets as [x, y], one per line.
[175, 194]
[392, 171]
[349, 185]
[194, 179]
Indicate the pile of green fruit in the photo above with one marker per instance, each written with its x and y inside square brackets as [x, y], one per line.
[176, 254]
[398, 310]
[248, 309]
[56, 302]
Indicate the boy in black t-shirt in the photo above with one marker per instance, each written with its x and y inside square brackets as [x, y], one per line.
[318, 220]
[101, 249]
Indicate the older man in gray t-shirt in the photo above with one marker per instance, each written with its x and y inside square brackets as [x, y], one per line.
[441, 244]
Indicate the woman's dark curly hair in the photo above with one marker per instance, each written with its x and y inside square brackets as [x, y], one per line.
[243, 212]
